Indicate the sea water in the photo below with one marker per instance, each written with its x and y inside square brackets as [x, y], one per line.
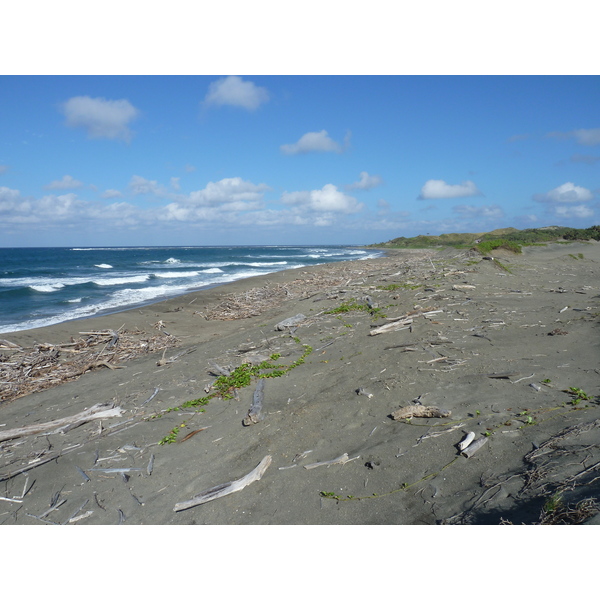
[45, 286]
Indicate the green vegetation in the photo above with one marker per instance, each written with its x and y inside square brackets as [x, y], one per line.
[578, 395]
[525, 237]
[351, 305]
[486, 246]
[226, 385]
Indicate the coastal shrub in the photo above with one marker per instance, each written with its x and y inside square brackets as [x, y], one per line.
[486, 246]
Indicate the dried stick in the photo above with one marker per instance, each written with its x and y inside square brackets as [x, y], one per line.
[225, 489]
[98, 411]
[420, 411]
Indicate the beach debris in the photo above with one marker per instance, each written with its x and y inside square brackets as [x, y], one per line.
[82, 473]
[466, 441]
[191, 434]
[562, 310]
[11, 345]
[362, 392]
[558, 331]
[225, 489]
[156, 390]
[167, 361]
[98, 411]
[254, 414]
[474, 446]
[535, 386]
[408, 412]
[47, 365]
[463, 287]
[394, 326]
[150, 466]
[290, 322]
[340, 460]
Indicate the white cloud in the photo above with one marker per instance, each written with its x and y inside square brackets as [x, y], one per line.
[584, 137]
[492, 211]
[437, 188]
[233, 91]
[112, 194]
[66, 183]
[327, 199]
[100, 117]
[175, 183]
[228, 191]
[366, 182]
[314, 141]
[139, 185]
[584, 158]
[189, 168]
[565, 193]
[581, 211]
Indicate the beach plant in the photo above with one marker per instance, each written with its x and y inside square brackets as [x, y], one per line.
[225, 386]
[578, 395]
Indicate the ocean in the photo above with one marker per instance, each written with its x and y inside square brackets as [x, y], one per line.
[45, 286]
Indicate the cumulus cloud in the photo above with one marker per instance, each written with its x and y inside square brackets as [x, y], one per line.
[580, 211]
[233, 91]
[366, 182]
[565, 193]
[140, 185]
[66, 183]
[175, 183]
[228, 191]
[314, 141]
[101, 118]
[492, 211]
[437, 189]
[111, 194]
[327, 199]
[584, 137]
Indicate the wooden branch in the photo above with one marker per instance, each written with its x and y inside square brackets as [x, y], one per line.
[420, 411]
[226, 488]
[254, 414]
[395, 326]
[98, 411]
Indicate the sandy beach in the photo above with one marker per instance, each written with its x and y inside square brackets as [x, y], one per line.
[485, 346]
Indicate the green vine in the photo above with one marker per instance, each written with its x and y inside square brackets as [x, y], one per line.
[226, 385]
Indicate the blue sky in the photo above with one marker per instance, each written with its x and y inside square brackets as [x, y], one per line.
[161, 160]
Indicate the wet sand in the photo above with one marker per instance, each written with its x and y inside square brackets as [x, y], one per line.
[494, 348]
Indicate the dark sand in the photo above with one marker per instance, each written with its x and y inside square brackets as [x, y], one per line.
[399, 472]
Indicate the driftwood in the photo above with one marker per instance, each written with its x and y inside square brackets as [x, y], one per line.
[466, 441]
[98, 411]
[420, 411]
[395, 326]
[472, 448]
[291, 322]
[254, 414]
[340, 460]
[225, 489]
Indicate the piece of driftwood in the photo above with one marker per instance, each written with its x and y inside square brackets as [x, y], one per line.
[340, 460]
[395, 326]
[98, 411]
[291, 322]
[472, 448]
[466, 441]
[255, 412]
[225, 489]
[420, 411]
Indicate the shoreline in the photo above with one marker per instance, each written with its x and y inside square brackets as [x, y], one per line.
[191, 290]
[476, 335]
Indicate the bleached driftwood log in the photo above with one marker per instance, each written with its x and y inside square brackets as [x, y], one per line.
[225, 489]
[472, 448]
[420, 411]
[391, 327]
[98, 411]
[291, 322]
[254, 414]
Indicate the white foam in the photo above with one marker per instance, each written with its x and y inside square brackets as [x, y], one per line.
[172, 261]
[175, 274]
[121, 280]
[104, 266]
[51, 287]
